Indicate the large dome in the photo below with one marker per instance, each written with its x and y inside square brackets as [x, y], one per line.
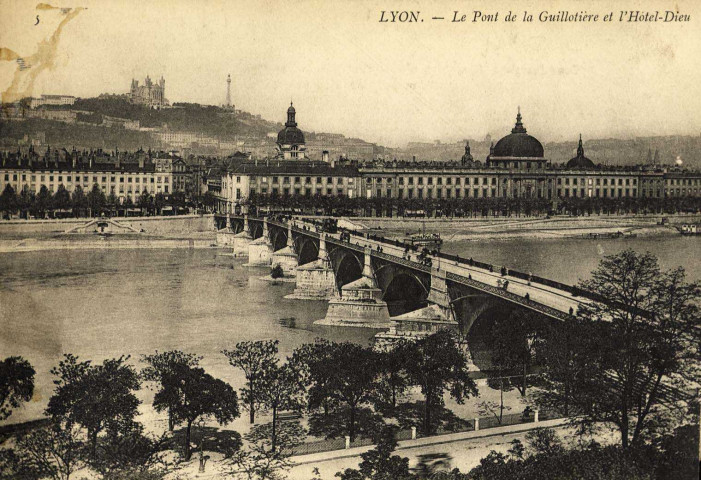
[518, 143]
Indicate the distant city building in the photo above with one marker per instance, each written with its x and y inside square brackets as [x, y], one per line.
[515, 168]
[125, 175]
[51, 100]
[149, 94]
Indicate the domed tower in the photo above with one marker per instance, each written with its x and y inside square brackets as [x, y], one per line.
[290, 140]
[517, 151]
[580, 162]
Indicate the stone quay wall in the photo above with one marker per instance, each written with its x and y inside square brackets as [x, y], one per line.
[168, 225]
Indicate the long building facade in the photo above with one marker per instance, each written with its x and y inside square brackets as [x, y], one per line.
[515, 168]
[125, 175]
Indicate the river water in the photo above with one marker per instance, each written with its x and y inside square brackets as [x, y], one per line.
[107, 303]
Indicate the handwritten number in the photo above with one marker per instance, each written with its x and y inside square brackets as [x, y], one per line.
[37, 21]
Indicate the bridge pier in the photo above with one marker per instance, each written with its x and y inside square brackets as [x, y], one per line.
[360, 303]
[242, 240]
[286, 256]
[439, 296]
[225, 236]
[260, 250]
[417, 324]
[315, 280]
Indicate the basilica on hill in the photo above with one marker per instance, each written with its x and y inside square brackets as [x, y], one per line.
[149, 94]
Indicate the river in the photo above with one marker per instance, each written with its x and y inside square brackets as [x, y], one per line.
[107, 303]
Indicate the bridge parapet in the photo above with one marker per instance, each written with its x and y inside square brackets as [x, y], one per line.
[506, 295]
[444, 275]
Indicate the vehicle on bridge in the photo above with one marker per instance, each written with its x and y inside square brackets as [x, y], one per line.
[432, 240]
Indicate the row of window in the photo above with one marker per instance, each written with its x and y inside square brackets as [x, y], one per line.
[297, 191]
[599, 181]
[86, 178]
[604, 192]
[307, 180]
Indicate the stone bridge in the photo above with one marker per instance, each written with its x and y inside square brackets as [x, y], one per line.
[375, 282]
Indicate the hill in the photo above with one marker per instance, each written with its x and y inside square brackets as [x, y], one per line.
[190, 117]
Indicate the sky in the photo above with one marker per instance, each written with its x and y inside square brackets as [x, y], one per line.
[389, 83]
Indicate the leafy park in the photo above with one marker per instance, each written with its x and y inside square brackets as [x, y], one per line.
[623, 372]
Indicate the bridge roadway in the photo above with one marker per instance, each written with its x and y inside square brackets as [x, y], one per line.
[548, 300]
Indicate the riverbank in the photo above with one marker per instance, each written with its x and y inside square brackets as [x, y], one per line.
[185, 231]
[561, 227]
[38, 242]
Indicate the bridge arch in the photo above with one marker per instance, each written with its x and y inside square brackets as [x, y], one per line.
[278, 238]
[307, 250]
[236, 225]
[347, 267]
[402, 289]
[255, 229]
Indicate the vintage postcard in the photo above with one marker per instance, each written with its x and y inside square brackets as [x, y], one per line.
[411, 240]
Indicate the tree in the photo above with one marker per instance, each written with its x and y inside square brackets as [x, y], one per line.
[312, 357]
[78, 200]
[26, 200]
[436, 363]
[379, 463]
[392, 377]
[649, 351]
[95, 397]
[347, 377]
[254, 358]
[277, 271]
[279, 389]
[8, 199]
[62, 199]
[200, 394]
[159, 202]
[54, 451]
[544, 441]
[16, 384]
[145, 201]
[43, 201]
[565, 353]
[160, 366]
[260, 460]
[96, 200]
[130, 454]
[513, 345]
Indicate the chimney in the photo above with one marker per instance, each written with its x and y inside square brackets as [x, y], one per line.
[325, 156]
[413, 158]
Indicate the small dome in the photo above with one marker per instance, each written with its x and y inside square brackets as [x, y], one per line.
[290, 135]
[580, 162]
[518, 143]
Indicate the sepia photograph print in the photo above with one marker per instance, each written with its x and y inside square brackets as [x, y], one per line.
[355, 240]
